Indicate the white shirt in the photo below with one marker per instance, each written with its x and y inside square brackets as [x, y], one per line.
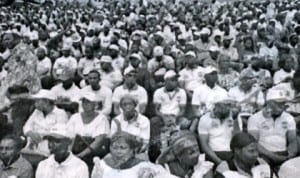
[44, 67]
[192, 78]
[72, 167]
[41, 124]
[170, 101]
[112, 79]
[72, 93]
[280, 75]
[98, 126]
[219, 134]
[63, 63]
[208, 96]
[290, 168]
[272, 133]
[140, 127]
[281, 91]
[138, 93]
[118, 63]
[167, 62]
[88, 64]
[103, 95]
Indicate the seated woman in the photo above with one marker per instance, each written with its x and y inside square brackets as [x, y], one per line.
[91, 129]
[245, 162]
[121, 162]
[183, 157]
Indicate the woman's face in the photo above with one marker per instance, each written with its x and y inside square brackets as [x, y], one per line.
[120, 149]
[189, 156]
[248, 43]
[127, 105]
[248, 154]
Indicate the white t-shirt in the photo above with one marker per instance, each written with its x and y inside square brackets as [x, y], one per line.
[272, 133]
[44, 67]
[98, 126]
[280, 75]
[89, 64]
[73, 93]
[219, 134]
[170, 101]
[192, 78]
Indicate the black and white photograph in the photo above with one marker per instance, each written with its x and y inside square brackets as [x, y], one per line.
[149, 88]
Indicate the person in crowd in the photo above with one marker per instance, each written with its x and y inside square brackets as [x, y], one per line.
[183, 157]
[121, 161]
[130, 87]
[227, 76]
[215, 129]
[62, 162]
[289, 168]
[131, 121]
[286, 65]
[103, 94]
[118, 62]
[205, 96]
[245, 162]
[110, 77]
[91, 129]
[275, 131]
[44, 117]
[12, 163]
[44, 65]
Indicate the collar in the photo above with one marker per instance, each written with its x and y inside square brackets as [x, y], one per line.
[16, 165]
[134, 88]
[64, 163]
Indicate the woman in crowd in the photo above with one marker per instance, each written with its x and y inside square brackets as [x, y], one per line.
[183, 157]
[121, 161]
[91, 130]
[245, 162]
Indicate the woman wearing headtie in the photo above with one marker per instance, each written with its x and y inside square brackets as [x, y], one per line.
[121, 161]
[183, 157]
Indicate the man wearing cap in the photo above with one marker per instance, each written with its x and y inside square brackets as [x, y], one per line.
[61, 163]
[130, 87]
[88, 63]
[207, 94]
[64, 63]
[275, 131]
[160, 61]
[118, 61]
[44, 64]
[249, 96]
[110, 77]
[228, 49]
[102, 93]
[44, 117]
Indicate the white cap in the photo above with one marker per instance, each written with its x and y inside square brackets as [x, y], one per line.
[214, 48]
[205, 30]
[190, 53]
[53, 34]
[129, 70]
[106, 59]
[114, 47]
[170, 74]
[60, 131]
[89, 96]
[44, 94]
[158, 51]
[136, 56]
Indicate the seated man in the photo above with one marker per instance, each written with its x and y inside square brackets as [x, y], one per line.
[61, 163]
[44, 117]
[245, 162]
[130, 87]
[275, 131]
[215, 132]
[12, 164]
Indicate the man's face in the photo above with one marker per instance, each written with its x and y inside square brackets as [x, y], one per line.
[41, 104]
[274, 109]
[135, 62]
[89, 53]
[40, 54]
[66, 52]
[8, 40]
[8, 149]
[211, 80]
[189, 156]
[93, 79]
[58, 146]
[171, 83]
[226, 43]
[248, 154]
[289, 64]
[246, 83]
[130, 79]
[114, 53]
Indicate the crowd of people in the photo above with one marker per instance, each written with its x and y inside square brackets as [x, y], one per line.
[159, 89]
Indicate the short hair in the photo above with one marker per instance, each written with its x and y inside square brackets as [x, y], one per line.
[130, 139]
[20, 141]
[135, 102]
[96, 72]
[241, 140]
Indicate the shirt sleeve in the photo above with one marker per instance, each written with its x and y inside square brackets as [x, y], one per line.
[107, 105]
[81, 64]
[116, 96]
[204, 125]
[183, 98]
[156, 97]
[143, 96]
[196, 98]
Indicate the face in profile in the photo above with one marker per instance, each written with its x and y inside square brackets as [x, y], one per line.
[248, 154]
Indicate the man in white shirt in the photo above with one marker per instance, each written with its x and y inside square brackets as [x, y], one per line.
[205, 96]
[130, 87]
[275, 131]
[118, 62]
[103, 94]
[44, 65]
[45, 116]
[65, 63]
[61, 163]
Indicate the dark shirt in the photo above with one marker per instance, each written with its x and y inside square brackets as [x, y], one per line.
[21, 168]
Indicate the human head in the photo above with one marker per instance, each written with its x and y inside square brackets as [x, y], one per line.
[190, 59]
[114, 50]
[41, 53]
[88, 101]
[247, 80]
[286, 62]
[273, 109]
[171, 80]
[221, 110]
[66, 51]
[94, 78]
[244, 148]
[128, 105]
[135, 60]
[10, 147]
[106, 63]
[227, 42]
[130, 77]
[10, 40]
[211, 79]
[89, 52]
[44, 100]
[123, 146]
